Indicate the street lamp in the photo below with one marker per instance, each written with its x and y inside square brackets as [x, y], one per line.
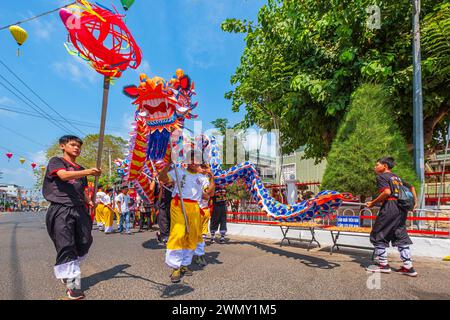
[418, 102]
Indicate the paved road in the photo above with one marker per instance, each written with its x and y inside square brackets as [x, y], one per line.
[131, 267]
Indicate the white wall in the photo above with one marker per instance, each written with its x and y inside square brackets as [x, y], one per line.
[422, 246]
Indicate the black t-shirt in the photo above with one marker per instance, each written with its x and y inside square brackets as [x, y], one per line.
[166, 198]
[220, 196]
[69, 193]
[388, 180]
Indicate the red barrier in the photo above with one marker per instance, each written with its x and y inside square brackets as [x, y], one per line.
[332, 217]
[252, 221]
[438, 233]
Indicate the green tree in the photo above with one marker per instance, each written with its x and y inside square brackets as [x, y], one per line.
[236, 194]
[366, 134]
[88, 157]
[304, 59]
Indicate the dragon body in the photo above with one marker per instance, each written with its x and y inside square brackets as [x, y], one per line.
[161, 109]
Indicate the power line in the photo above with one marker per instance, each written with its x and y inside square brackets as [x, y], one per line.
[23, 136]
[38, 16]
[44, 113]
[39, 97]
[10, 150]
[80, 123]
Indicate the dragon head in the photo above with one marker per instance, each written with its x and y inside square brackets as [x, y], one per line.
[163, 105]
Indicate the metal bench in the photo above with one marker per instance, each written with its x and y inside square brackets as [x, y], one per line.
[350, 231]
[286, 226]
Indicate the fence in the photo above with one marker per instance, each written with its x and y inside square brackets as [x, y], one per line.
[432, 223]
[437, 188]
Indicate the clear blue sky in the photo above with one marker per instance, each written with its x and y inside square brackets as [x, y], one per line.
[172, 34]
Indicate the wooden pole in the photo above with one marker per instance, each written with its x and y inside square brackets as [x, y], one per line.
[102, 130]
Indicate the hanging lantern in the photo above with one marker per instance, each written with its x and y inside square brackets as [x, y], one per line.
[33, 165]
[9, 155]
[22, 160]
[126, 4]
[43, 169]
[20, 35]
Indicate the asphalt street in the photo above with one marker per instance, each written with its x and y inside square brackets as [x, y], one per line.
[132, 267]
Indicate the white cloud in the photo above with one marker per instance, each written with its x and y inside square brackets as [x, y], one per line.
[42, 29]
[124, 133]
[76, 70]
[20, 176]
[7, 101]
[40, 157]
[144, 68]
[205, 46]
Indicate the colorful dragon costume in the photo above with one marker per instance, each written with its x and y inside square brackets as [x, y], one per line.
[161, 110]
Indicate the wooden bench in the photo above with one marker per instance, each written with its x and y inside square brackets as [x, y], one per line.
[310, 226]
[350, 231]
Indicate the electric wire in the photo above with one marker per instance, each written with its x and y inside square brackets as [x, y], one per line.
[39, 97]
[27, 113]
[37, 108]
[38, 16]
[23, 136]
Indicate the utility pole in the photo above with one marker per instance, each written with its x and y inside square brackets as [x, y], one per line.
[109, 150]
[419, 161]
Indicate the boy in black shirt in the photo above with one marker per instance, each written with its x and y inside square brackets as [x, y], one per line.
[219, 214]
[68, 221]
[163, 207]
[390, 224]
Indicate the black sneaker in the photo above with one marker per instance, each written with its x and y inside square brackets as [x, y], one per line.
[158, 237]
[222, 240]
[202, 261]
[379, 268]
[212, 241]
[75, 294]
[407, 272]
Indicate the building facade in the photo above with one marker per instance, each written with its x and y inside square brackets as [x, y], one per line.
[294, 167]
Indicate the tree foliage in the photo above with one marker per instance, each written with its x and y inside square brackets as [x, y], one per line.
[304, 59]
[366, 134]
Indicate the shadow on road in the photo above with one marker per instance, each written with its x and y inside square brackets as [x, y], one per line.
[92, 280]
[117, 272]
[176, 290]
[153, 244]
[211, 258]
[363, 258]
[308, 261]
[18, 288]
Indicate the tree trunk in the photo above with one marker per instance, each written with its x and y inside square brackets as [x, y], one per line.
[431, 122]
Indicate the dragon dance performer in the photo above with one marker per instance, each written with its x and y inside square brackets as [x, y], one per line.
[99, 206]
[181, 244]
[219, 215]
[108, 212]
[205, 214]
[163, 217]
[68, 222]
